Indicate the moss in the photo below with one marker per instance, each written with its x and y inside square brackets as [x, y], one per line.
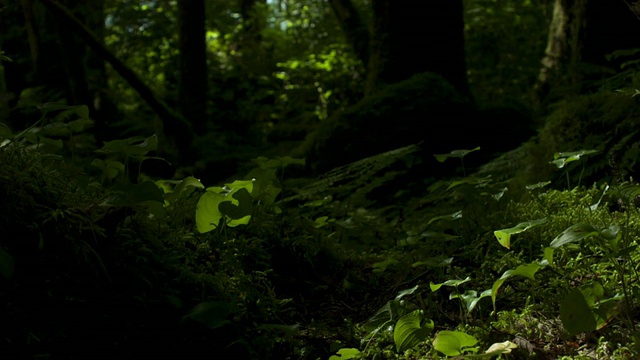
[605, 121]
[389, 119]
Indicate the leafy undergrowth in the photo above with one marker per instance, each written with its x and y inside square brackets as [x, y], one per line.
[369, 261]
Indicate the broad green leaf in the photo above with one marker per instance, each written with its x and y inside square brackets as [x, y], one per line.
[6, 264]
[411, 329]
[208, 215]
[528, 271]
[455, 216]
[454, 154]
[563, 158]
[454, 343]
[574, 233]
[504, 235]
[344, 354]
[211, 207]
[242, 209]
[575, 313]
[456, 283]
[434, 262]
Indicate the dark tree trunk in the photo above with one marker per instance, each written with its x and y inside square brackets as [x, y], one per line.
[192, 92]
[174, 125]
[353, 27]
[581, 35]
[407, 41]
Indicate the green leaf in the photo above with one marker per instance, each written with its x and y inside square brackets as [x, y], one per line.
[346, 353]
[470, 298]
[134, 146]
[384, 318]
[563, 158]
[455, 283]
[243, 208]
[574, 233]
[277, 163]
[454, 154]
[232, 202]
[575, 313]
[411, 329]
[405, 292]
[455, 216]
[454, 343]
[528, 271]
[504, 235]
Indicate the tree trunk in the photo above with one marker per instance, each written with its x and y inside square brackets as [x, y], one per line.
[353, 28]
[581, 35]
[407, 42]
[192, 91]
[174, 124]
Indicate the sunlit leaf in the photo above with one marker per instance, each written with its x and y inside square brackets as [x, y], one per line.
[346, 353]
[527, 270]
[504, 235]
[454, 343]
[435, 287]
[563, 158]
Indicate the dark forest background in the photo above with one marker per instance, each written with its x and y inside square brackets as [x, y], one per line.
[257, 179]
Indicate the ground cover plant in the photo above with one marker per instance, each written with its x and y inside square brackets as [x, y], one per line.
[261, 268]
[306, 179]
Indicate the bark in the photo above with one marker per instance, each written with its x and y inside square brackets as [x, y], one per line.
[407, 42]
[173, 123]
[192, 92]
[32, 33]
[353, 28]
[581, 35]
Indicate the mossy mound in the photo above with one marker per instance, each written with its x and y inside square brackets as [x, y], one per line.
[424, 108]
[607, 122]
